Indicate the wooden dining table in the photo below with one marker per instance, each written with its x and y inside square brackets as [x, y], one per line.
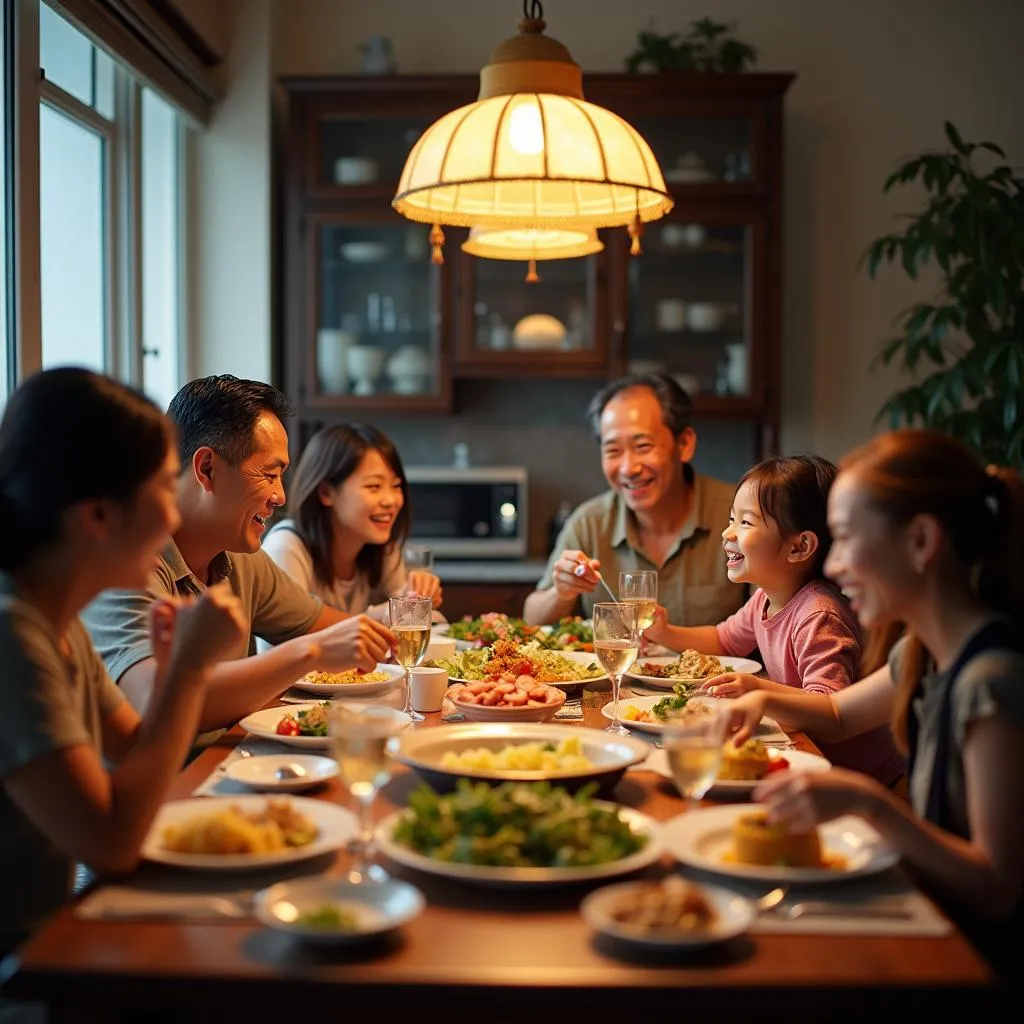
[483, 954]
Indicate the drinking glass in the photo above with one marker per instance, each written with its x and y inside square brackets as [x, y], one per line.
[693, 742]
[640, 587]
[616, 644]
[360, 734]
[418, 556]
[410, 622]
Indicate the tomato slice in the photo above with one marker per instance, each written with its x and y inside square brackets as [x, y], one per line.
[777, 764]
[288, 726]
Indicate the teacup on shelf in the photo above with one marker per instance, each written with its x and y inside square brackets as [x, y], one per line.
[364, 365]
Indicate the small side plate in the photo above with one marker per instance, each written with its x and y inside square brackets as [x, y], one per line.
[259, 772]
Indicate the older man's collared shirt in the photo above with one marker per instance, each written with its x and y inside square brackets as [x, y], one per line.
[276, 607]
[692, 583]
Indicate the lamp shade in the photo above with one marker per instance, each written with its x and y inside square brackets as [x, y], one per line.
[532, 243]
[531, 152]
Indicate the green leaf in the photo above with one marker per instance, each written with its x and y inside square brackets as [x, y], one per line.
[992, 148]
[1010, 409]
[954, 137]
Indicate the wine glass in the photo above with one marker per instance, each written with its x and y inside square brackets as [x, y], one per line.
[410, 622]
[418, 556]
[693, 741]
[616, 644]
[360, 734]
[640, 587]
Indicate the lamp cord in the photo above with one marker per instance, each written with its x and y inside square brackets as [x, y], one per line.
[532, 10]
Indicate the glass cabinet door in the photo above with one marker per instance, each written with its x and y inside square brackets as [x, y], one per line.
[377, 313]
[691, 305]
[704, 150]
[363, 154]
[554, 322]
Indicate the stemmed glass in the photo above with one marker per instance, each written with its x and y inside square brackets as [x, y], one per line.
[410, 622]
[640, 587]
[360, 734]
[693, 742]
[616, 644]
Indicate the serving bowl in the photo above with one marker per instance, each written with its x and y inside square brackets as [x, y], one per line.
[609, 755]
[507, 713]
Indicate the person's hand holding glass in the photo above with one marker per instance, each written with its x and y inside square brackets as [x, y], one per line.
[422, 581]
[360, 734]
[616, 644]
[640, 587]
[410, 622]
[693, 741]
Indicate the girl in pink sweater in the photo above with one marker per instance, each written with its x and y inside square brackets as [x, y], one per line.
[777, 540]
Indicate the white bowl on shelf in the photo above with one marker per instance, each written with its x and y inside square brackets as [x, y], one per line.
[538, 331]
[354, 170]
[363, 252]
[365, 363]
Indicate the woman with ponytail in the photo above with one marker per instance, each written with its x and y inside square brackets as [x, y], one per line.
[925, 536]
[88, 475]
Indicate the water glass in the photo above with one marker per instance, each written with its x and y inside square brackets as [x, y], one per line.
[360, 736]
[410, 622]
[616, 644]
[418, 556]
[693, 741]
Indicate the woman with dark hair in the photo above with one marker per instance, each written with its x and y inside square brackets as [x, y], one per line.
[88, 473]
[777, 540]
[925, 535]
[350, 522]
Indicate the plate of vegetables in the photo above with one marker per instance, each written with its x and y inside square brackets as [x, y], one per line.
[564, 669]
[298, 725]
[482, 631]
[571, 633]
[518, 834]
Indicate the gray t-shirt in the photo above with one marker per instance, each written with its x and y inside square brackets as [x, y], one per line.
[286, 548]
[990, 684]
[277, 607]
[48, 702]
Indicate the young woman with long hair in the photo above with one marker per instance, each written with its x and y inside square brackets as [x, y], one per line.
[926, 536]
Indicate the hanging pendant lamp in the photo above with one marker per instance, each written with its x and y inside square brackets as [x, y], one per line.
[531, 152]
[532, 244]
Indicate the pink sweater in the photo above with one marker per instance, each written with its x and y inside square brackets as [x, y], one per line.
[813, 643]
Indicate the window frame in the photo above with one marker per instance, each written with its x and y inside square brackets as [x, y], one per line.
[125, 343]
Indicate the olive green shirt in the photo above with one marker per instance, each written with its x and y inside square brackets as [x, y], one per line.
[276, 607]
[692, 584]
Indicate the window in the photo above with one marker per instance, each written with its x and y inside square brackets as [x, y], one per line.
[110, 212]
[7, 373]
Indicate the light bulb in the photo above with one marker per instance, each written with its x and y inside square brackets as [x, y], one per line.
[525, 131]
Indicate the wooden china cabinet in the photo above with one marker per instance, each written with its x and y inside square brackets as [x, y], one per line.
[371, 326]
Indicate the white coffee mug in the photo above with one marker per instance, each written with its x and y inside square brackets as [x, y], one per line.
[428, 687]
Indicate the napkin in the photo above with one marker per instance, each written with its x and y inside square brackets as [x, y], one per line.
[127, 903]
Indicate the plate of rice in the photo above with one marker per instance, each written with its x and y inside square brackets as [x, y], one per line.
[351, 682]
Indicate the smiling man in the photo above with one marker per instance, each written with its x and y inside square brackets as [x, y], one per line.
[234, 451]
[658, 514]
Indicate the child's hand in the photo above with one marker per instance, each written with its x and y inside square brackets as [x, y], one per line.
[656, 632]
[731, 684]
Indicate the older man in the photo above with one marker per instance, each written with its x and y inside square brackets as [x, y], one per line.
[658, 514]
[234, 451]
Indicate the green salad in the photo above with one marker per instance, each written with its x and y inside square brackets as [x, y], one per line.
[681, 694]
[571, 633]
[533, 825]
[329, 918]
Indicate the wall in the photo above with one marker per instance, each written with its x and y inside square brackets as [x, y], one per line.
[876, 80]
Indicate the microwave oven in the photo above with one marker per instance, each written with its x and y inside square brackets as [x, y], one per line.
[471, 512]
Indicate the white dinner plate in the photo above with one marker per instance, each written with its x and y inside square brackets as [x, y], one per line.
[734, 914]
[394, 673]
[378, 908]
[799, 761]
[336, 824]
[703, 839]
[663, 683]
[264, 724]
[512, 876]
[260, 772]
[768, 730]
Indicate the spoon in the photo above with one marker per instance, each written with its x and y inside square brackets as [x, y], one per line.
[286, 772]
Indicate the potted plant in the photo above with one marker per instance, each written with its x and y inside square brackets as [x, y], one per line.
[708, 46]
[964, 349]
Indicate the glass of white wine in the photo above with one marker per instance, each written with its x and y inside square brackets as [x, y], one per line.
[616, 644]
[410, 622]
[360, 734]
[693, 741]
[640, 587]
